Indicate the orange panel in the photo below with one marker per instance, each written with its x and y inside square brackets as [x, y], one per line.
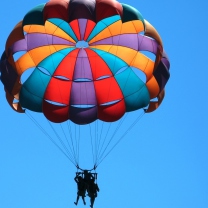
[143, 63]
[128, 27]
[152, 32]
[14, 36]
[138, 24]
[34, 29]
[15, 106]
[154, 105]
[153, 87]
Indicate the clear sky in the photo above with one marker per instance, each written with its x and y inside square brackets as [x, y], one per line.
[161, 163]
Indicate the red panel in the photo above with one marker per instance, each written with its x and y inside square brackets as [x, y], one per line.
[57, 9]
[55, 113]
[66, 67]
[75, 27]
[58, 91]
[90, 26]
[107, 90]
[112, 113]
[107, 8]
[98, 66]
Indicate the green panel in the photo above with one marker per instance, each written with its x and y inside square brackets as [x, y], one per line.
[134, 90]
[34, 16]
[130, 13]
[114, 63]
[64, 26]
[101, 25]
[32, 92]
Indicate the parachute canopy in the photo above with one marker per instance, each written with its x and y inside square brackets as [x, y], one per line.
[84, 60]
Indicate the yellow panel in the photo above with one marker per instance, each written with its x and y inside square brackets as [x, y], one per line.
[60, 47]
[23, 63]
[34, 29]
[119, 51]
[153, 87]
[144, 63]
[102, 47]
[134, 58]
[35, 56]
[138, 24]
[112, 30]
[50, 29]
[60, 33]
[128, 27]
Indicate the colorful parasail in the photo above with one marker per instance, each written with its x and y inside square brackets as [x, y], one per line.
[83, 61]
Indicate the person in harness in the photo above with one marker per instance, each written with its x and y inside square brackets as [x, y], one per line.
[82, 187]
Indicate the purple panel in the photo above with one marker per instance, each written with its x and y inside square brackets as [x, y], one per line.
[43, 40]
[126, 40]
[83, 93]
[83, 116]
[147, 44]
[165, 60]
[82, 69]
[82, 26]
[60, 41]
[20, 45]
[162, 75]
[129, 40]
[40, 40]
[107, 41]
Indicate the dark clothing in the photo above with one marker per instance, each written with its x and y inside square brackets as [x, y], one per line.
[82, 187]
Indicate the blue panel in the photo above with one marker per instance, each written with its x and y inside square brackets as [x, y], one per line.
[64, 26]
[32, 91]
[135, 92]
[101, 25]
[51, 62]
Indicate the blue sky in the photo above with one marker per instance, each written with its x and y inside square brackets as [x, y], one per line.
[161, 163]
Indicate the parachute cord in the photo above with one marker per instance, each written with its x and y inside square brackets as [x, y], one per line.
[92, 146]
[78, 146]
[72, 142]
[112, 137]
[104, 141]
[123, 136]
[60, 140]
[71, 150]
[49, 137]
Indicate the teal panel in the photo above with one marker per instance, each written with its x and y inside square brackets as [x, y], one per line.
[32, 92]
[34, 16]
[51, 62]
[134, 90]
[64, 26]
[114, 63]
[130, 13]
[101, 25]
